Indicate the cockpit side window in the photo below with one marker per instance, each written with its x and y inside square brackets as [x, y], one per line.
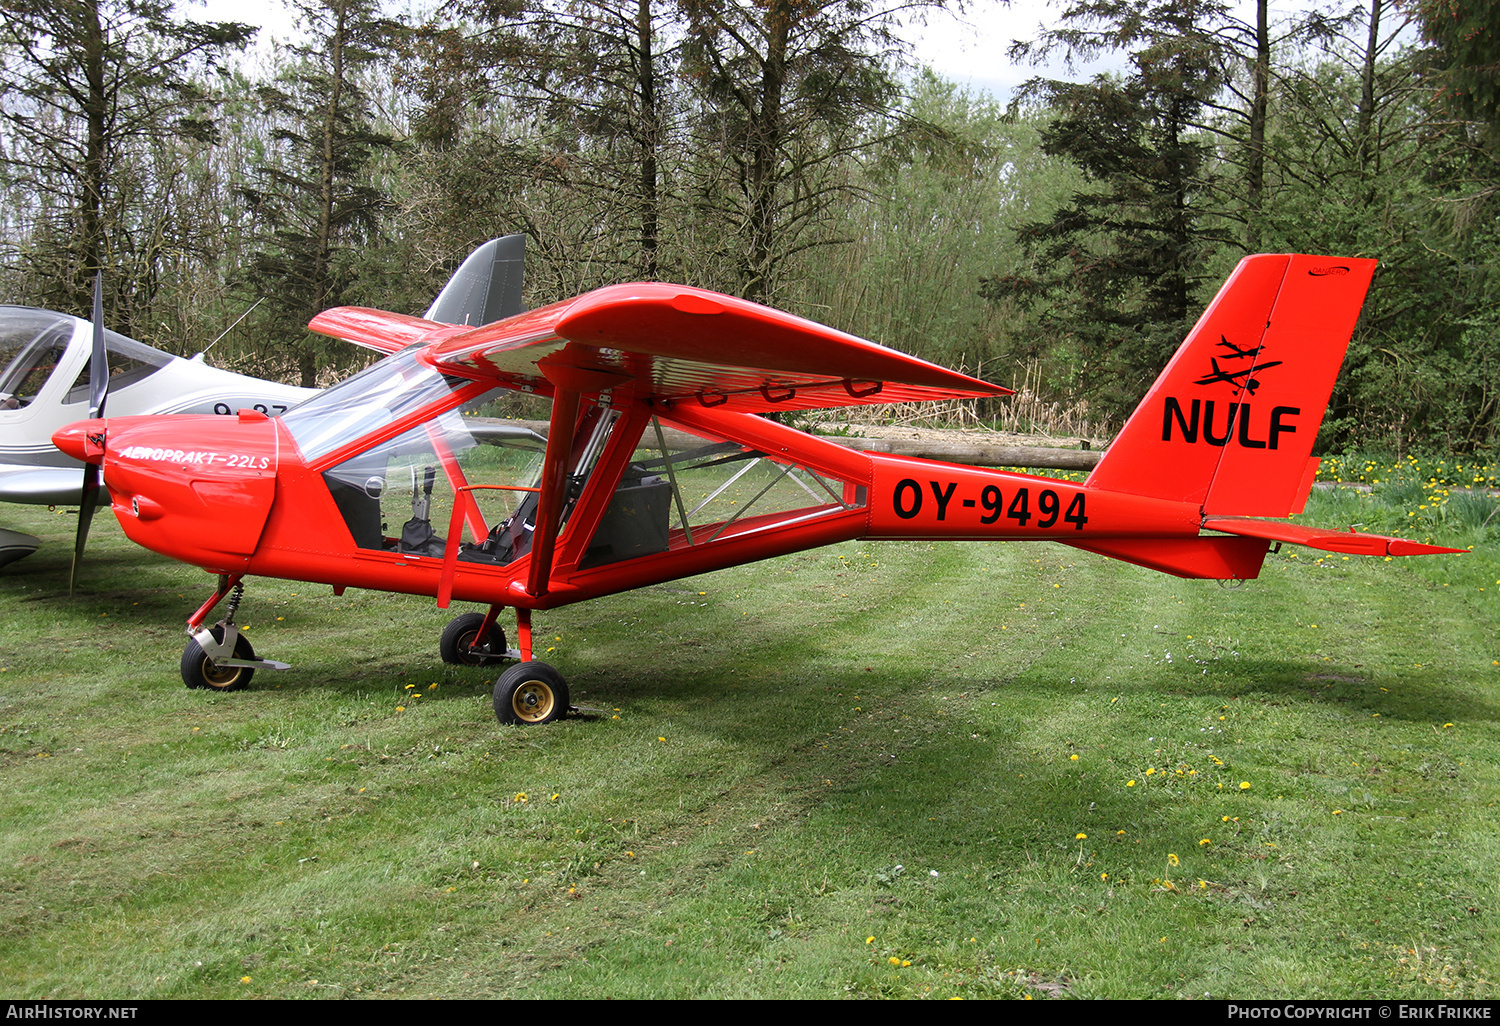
[399, 496]
[32, 343]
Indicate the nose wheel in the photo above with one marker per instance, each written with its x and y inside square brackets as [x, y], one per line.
[530, 694]
[199, 671]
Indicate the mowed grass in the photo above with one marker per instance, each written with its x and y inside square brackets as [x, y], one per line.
[875, 770]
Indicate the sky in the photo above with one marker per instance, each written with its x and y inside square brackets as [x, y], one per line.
[969, 48]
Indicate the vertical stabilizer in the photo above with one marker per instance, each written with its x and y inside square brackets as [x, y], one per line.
[486, 287]
[1231, 422]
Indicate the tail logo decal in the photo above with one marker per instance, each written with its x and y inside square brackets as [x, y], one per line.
[1233, 377]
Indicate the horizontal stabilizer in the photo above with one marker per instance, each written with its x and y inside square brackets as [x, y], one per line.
[1349, 541]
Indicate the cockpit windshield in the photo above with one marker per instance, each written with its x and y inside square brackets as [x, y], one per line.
[369, 400]
[32, 343]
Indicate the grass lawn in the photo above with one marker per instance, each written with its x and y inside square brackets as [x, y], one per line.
[875, 770]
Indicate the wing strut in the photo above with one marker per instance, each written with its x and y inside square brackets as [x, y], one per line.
[554, 489]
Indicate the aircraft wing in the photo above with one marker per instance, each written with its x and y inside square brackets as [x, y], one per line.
[380, 330]
[674, 343]
[43, 486]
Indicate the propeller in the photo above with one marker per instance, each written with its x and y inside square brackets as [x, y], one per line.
[88, 499]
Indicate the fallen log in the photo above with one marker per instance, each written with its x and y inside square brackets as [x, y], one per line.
[971, 453]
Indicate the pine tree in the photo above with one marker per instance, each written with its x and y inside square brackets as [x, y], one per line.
[1118, 268]
[88, 86]
[317, 203]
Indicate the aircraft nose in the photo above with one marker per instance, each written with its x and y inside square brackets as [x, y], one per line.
[82, 440]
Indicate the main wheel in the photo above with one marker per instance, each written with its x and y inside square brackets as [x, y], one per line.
[459, 643]
[199, 671]
[530, 693]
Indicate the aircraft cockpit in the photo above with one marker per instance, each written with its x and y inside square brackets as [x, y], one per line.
[46, 354]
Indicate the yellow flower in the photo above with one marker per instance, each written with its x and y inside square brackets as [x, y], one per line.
[1172, 858]
[521, 797]
[1129, 783]
[1244, 785]
[1074, 758]
[1080, 837]
[1338, 812]
[1204, 841]
[869, 940]
[244, 979]
[894, 960]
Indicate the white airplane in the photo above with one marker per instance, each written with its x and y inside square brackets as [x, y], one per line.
[45, 376]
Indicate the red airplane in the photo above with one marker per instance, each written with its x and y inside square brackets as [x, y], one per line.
[656, 465]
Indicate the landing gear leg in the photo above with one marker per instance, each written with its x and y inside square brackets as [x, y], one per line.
[219, 658]
[529, 693]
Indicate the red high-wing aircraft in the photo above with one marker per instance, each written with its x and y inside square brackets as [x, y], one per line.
[656, 465]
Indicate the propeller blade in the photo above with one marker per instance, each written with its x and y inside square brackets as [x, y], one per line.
[87, 501]
[98, 358]
[88, 497]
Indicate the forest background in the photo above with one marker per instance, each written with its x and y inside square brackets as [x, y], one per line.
[786, 151]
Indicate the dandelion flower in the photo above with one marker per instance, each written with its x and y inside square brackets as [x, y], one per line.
[1080, 837]
[1244, 785]
[869, 940]
[1172, 858]
[1129, 783]
[894, 960]
[1074, 758]
[1204, 842]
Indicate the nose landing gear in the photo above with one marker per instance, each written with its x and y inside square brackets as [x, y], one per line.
[220, 658]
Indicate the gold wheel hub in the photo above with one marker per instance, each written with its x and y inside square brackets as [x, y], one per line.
[533, 701]
[220, 676]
